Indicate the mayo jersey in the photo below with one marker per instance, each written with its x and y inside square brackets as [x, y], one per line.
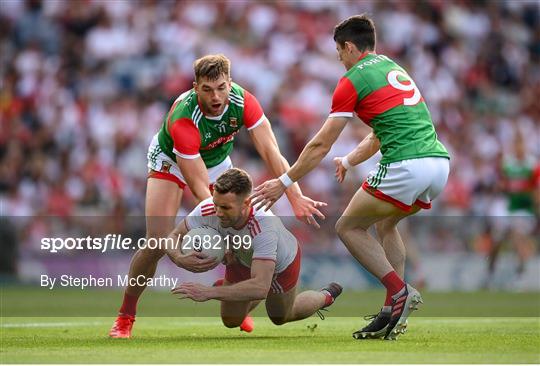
[186, 132]
[268, 237]
[386, 98]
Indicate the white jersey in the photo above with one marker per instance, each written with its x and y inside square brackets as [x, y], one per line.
[270, 239]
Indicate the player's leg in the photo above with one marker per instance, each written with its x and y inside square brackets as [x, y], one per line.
[284, 305]
[352, 228]
[363, 211]
[288, 307]
[393, 192]
[392, 243]
[163, 199]
[236, 313]
[394, 249]
[233, 313]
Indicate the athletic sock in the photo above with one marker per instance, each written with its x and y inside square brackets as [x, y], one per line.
[129, 305]
[328, 298]
[393, 284]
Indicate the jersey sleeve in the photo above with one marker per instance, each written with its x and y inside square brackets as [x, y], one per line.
[253, 112]
[265, 245]
[536, 177]
[186, 138]
[201, 215]
[344, 99]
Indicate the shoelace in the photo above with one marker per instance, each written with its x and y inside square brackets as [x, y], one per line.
[320, 314]
[371, 317]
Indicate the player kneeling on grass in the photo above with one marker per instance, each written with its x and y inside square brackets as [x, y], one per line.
[265, 266]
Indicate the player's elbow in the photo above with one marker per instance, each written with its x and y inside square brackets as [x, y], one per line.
[259, 291]
[320, 147]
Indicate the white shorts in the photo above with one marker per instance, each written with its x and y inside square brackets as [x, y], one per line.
[161, 166]
[409, 182]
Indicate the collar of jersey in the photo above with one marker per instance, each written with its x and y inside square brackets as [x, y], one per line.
[365, 54]
[217, 118]
[251, 214]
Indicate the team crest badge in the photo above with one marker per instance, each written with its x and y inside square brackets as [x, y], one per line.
[165, 167]
[233, 122]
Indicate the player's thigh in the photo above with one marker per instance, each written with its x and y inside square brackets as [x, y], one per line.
[234, 312]
[163, 198]
[279, 305]
[364, 210]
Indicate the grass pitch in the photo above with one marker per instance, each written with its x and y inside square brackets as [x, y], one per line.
[190, 339]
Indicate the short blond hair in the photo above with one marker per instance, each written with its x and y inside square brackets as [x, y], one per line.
[211, 67]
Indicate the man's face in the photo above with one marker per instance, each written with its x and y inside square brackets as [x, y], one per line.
[213, 94]
[231, 209]
[345, 55]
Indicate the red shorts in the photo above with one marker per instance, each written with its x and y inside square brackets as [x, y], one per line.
[172, 178]
[281, 282]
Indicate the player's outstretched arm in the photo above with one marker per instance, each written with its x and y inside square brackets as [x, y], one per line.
[365, 150]
[270, 191]
[196, 175]
[256, 288]
[265, 142]
[193, 261]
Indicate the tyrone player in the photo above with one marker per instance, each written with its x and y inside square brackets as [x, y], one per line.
[192, 148]
[266, 268]
[413, 170]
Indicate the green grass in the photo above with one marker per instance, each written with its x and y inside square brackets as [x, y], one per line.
[23, 301]
[476, 329]
[205, 340]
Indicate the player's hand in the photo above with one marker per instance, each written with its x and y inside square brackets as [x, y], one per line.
[195, 262]
[341, 171]
[304, 208]
[193, 291]
[267, 194]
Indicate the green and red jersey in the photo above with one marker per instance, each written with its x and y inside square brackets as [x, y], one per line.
[519, 181]
[186, 132]
[386, 98]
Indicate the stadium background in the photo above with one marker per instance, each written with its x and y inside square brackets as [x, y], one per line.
[85, 85]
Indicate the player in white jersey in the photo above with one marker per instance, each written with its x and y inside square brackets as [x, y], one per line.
[267, 268]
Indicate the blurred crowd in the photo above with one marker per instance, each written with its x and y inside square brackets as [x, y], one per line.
[85, 85]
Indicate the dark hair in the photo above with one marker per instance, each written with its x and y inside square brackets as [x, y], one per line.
[234, 180]
[212, 67]
[358, 29]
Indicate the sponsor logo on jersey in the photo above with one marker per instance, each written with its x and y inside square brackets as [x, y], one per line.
[165, 167]
[220, 141]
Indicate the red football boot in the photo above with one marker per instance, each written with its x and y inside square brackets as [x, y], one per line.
[122, 326]
[247, 325]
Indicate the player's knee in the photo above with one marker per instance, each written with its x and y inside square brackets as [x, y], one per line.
[232, 322]
[343, 226]
[278, 320]
[384, 228]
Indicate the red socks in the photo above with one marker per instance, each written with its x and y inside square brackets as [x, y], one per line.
[129, 306]
[393, 284]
